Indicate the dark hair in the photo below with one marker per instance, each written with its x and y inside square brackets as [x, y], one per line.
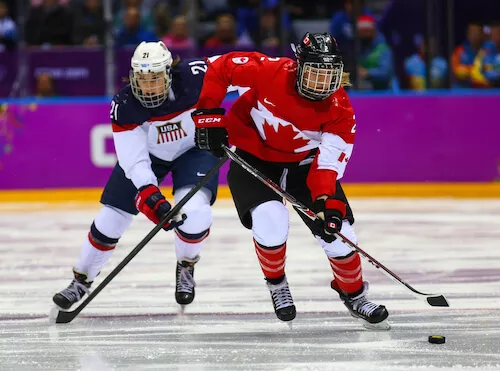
[495, 23]
[176, 61]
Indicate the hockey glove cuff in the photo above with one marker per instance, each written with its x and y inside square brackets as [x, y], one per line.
[210, 132]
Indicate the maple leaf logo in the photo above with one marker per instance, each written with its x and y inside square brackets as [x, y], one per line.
[280, 134]
[284, 138]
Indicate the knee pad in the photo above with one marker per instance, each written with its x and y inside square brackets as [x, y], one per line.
[337, 248]
[270, 223]
[197, 210]
[111, 223]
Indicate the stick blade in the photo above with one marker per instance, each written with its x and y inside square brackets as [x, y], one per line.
[437, 301]
[65, 317]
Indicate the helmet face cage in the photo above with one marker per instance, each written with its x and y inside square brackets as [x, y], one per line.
[318, 81]
[150, 89]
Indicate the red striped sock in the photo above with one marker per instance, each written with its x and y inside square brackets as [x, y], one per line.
[347, 272]
[271, 259]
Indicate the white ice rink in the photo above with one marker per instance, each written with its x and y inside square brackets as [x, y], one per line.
[450, 247]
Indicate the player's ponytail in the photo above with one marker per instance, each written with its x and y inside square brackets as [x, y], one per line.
[176, 61]
[345, 79]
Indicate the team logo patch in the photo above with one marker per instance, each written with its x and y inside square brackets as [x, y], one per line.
[332, 225]
[240, 60]
[307, 41]
[343, 157]
[170, 132]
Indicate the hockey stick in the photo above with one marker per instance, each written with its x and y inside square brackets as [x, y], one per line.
[431, 299]
[65, 317]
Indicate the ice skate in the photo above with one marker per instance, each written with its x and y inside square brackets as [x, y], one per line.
[373, 316]
[184, 278]
[74, 292]
[282, 300]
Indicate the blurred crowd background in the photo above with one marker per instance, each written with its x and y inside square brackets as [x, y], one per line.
[82, 47]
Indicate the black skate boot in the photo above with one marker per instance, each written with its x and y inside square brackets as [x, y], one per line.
[282, 299]
[74, 292]
[373, 316]
[184, 278]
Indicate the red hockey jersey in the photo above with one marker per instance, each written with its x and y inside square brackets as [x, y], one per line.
[273, 122]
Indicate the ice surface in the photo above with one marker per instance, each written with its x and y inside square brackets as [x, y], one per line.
[449, 247]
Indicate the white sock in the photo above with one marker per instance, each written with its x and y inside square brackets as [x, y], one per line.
[185, 249]
[92, 260]
[199, 219]
[110, 224]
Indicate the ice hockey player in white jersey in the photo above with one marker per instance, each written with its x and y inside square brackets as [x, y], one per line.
[153, 135]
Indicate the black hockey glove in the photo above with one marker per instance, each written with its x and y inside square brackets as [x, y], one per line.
[210, 131]
[331, 212]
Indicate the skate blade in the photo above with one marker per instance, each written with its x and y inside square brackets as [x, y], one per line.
[289, 323]
[381, 326]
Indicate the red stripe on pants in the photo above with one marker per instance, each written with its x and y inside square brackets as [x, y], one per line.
[184, 239]
[99, 246]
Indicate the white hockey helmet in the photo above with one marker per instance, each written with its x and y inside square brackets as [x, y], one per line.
[150, 78]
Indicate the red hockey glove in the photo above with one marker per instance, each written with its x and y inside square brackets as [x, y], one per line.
[210, 131]
[153, 204]
[331, 212]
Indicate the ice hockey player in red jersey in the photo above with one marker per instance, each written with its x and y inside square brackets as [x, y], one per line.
[295, 124]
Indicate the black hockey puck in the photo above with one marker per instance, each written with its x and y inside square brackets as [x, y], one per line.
[437, 339]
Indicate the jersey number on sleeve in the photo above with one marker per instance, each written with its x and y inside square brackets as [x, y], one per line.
[113, 113]
[197, 67]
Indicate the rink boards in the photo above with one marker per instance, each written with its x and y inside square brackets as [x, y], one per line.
[400, 139]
